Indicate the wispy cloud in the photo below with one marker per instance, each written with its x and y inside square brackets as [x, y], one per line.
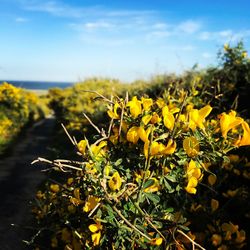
[224, 35]
[189, 26]
[21, 20]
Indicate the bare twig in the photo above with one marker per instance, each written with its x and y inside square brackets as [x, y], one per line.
[67, 133]
[56, 164]
[130, 225]
[191, 240]
[100, 95]
[93, 125]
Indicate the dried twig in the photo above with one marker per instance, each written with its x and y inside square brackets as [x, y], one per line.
[93, 125]
[100, 95]
[56, 163]
[67, 133]
[191, 240]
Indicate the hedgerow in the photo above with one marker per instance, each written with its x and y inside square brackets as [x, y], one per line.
[156, 178]
[17, 108]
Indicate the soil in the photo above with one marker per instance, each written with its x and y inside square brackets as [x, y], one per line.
[19, 181]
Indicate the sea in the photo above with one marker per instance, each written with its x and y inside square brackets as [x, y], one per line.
[38, 85]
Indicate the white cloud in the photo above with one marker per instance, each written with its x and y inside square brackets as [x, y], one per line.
[206, 55]
[224, 35]
[99, 25]
[21, 20]
[160, 26]
[189, 26]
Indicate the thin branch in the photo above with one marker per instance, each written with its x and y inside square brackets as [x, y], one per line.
[191, 240]
[131, 225]
[56, 164]
[94, 126]
[67, 133]
[102, 96]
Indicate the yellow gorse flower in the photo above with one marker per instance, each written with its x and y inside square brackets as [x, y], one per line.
[168, 118]
[97, 150]
[82, 146]
[191, 146]
[245, 140]
[135, 107]
[146, 103]
[146, 119]
[156, 241]
[133, 134]
[193, 175]
[154, 187]
[115, 182]
[113, 112]
[228, 122]
[91, 203]
[197, 117]
[95, 229]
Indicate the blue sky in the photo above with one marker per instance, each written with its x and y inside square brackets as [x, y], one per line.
[63, 40]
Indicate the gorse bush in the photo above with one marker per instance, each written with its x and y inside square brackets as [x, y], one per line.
[153, 179]
[17, 108]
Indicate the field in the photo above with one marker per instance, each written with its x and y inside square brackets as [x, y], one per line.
[157, 164]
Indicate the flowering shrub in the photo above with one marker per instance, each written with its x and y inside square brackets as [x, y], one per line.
[17, 108]
[151, 180]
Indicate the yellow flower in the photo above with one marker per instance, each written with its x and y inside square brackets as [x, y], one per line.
[154, 187]
[115, 182]
[191, 186]
[228, 122]
[240, 236]
[191, 146]
[193, 170]
[97, 150]
[96, 236]
[170, 148]
[91, 203]
[155, 118]
[216, 240]
[212, 179]
[82, 146]
[54, 188]
[113, 114]
[156, 241]
[135, 107]
[146, 103]
[197, 117]
[245, 140]
[214, 205]
[160, 102]
[143, 134]
[95, 227]
[133, 134]
[76, 200]
[168, 118]
[146, 119]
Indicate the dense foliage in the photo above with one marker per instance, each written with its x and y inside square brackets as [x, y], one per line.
[165, 167]
[17, 108]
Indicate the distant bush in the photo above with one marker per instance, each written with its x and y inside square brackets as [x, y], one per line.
[17, 108]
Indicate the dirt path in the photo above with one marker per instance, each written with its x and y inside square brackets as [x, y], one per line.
[19, 181]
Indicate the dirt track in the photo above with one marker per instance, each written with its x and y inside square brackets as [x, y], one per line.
[18, 184]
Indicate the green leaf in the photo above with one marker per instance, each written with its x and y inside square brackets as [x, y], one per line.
[148, 183]
[118, 162]
[153, 197]
[170, 178]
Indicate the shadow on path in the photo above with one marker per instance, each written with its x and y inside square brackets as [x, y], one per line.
[18, 183]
